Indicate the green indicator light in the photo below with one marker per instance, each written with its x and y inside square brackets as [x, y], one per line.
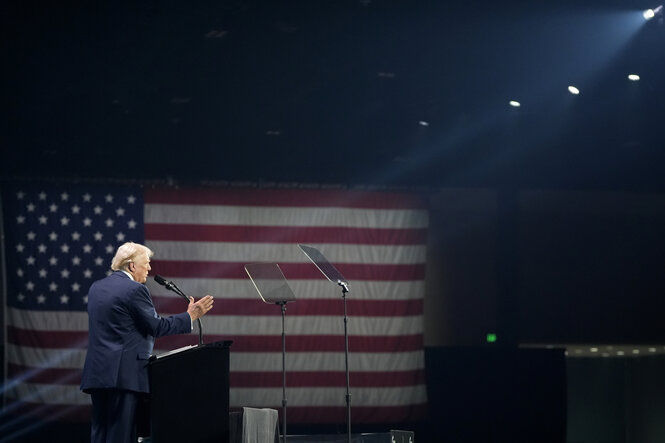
[491, 338]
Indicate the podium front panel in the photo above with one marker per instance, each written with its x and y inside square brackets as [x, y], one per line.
[189, 399]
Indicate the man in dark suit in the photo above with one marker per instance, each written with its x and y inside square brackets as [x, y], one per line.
[123, 325]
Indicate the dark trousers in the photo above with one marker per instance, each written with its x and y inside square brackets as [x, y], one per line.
[113, 416]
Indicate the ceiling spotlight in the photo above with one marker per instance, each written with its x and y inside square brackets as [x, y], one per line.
[651, 13]
[633, 77]
[573, 90]
[515, 104]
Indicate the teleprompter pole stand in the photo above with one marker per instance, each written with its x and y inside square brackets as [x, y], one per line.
[345, 290]
[284, 400]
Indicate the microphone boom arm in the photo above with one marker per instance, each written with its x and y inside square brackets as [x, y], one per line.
[172, 287]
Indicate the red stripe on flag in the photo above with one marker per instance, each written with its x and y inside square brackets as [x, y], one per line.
[300, 343]
[243, 306]
[317, 379]
[57, 376]
[360, 414]
[293, 271]
[297, 414]
[284, 234]
[286, 198]
[48, 412]
[47, 339]
[243, 343]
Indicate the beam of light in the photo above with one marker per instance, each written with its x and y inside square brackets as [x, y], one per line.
[633, 77]
[514, 104]
[32, 420]
[651, 13]
[573, 90]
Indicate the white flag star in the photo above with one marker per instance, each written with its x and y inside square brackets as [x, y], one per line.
[109, 223]
[87, 248]
[64, 221]
[87, 273]
[20, 296]
[64, 248]
[76, 236]
[30, 286]
[42, 195]
[131, 224]
[20, 247]
[131, 199]
[53, 207]
[87, 197]
[20, 219]
[75, 287]
[64, 299]
[43, 273]
[53, 287]
[98, 236]
[30, 260]
[109, 249]
[85, 299]
[120, 212]
[20, 195]
[76, 209]
[120, 236]
[42, 220]
[31, 235]
[53, 236]
[31, 207]
[99, 261]
[97, 210]
[87, 222]
[76, 260]
[53, 261]
[109, 198]
[64, 273]
[19, 272]
[41, 299]
[64, 196]
[41, 248]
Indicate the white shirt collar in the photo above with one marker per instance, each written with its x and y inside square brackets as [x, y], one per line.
[128, 274]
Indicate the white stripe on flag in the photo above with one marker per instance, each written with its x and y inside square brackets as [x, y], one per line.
[326, 361]
[47, 320]
[311, 325]
[284, 252]
[240, 361]
[248, 324]
[48, 394]
[285, 216]
[45, 358]
[265, 397]
[303, 289]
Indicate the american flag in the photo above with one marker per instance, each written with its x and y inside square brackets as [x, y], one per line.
[61, 239]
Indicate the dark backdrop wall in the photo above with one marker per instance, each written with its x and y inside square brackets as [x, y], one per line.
[584, 267]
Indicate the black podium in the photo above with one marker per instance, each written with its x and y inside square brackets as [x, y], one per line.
[189, 399]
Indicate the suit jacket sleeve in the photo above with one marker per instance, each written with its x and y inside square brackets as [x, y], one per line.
[149, 322]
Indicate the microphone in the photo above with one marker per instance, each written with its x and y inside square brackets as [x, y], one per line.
[162, 281]
[170, 286]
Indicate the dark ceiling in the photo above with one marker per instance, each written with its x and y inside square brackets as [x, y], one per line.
[397, 93]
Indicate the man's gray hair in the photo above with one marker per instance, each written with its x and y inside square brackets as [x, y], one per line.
[128, 253]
